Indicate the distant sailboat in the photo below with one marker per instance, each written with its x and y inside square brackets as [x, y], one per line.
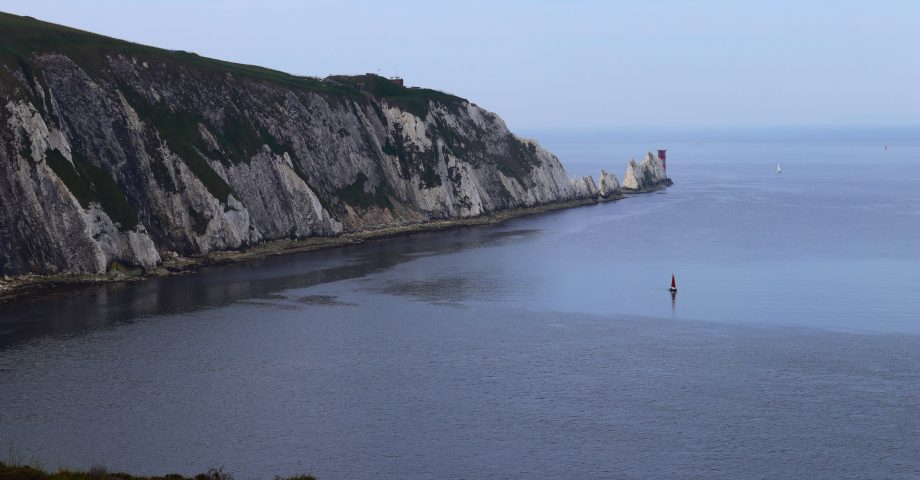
[673, 283]
[778, 168]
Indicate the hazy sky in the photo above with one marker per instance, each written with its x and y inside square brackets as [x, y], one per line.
[577, 64]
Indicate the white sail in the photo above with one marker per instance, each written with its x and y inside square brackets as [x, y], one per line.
[778, 168]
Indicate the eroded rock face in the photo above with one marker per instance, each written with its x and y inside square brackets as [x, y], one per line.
[609, 186]
[584, 187]
[135, 156]
[644, 176]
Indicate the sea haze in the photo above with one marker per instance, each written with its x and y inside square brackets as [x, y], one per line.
[545, 346]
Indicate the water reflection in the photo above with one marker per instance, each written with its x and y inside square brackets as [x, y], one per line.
[72, 310]
[673, 303]
[448, 289]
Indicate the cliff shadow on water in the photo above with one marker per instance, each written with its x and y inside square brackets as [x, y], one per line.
[81, 308]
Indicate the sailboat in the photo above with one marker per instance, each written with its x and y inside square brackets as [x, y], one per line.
[673, 284]
[778, 169]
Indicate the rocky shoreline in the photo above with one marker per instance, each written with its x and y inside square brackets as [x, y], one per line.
[31, 285]
[644, 177]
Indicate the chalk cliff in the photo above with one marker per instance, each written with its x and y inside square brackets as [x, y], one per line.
[609, 186]
[118, 153]
[584, 187]
[646, 175]
[115, 152]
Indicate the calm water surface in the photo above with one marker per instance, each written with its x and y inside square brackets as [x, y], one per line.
[546, 346]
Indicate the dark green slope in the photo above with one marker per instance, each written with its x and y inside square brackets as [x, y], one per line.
[21, 36]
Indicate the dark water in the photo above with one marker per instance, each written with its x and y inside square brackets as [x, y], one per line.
[547, 346]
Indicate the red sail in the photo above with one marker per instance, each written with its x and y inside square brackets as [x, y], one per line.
[673, 281]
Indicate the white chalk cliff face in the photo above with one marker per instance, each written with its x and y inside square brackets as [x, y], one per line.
[132, 154]
[139, 154]
[609, 186]
[584, 187]
[645, 176]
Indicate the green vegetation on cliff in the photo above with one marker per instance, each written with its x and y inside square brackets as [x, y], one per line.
[355, 195]
[411, 99]
[521, 159]
[180, 130]
[21, 36]
[90, 184]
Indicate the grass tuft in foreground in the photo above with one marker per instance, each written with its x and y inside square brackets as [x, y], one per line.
[23, 472]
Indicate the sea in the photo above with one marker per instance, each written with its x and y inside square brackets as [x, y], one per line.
[547, 346]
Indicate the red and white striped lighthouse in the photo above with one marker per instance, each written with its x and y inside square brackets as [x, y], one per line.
[662, 155]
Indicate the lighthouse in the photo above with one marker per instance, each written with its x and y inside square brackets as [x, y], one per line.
[662, 155]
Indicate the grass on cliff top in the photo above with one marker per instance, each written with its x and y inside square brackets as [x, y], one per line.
[22, 472]
[21, 36]
[411, 99]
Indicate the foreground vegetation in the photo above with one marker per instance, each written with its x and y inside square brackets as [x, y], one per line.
[22, 472]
